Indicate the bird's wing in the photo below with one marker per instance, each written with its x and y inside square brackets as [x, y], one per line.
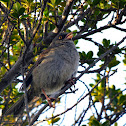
[28, 78]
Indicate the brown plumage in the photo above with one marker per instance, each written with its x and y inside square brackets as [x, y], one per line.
[54, 67]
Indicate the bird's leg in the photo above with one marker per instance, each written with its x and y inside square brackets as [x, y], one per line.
[71, 81]
[48, 99]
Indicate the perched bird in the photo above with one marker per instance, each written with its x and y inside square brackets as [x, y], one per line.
[54, 67]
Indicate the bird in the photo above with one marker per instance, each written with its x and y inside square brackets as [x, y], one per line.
[55, 66]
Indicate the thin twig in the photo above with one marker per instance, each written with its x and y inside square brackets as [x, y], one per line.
[25, 94]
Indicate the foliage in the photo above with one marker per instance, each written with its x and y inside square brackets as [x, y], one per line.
[27, 27]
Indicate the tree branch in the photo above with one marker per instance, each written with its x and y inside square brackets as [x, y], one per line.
[56, 95]
[101, 57]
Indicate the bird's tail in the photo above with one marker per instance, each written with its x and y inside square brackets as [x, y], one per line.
[19, 106]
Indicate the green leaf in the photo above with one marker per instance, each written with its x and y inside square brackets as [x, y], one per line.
[51, 5]
[93, 121]
[85, 7]
[89, 2]
[53, 1]
[30, 1]
[1, 30]
[57, 2]
[101, 50]
[15, 15]
[106, 43]
[14, 22]
[117, 50]
[54, 120]
[1, 99]
[2, 106]
[16, 6]
[75, 42]
[91, 85]
[95, 2]
[115, 101]
[46, 13]
[106, 123]
[113, 63]
[116, 124]
[122, 99]
[124, 61]
[5, 0]
[89, 55]
[24, 17]
[21, 11]
[83, 20]
[51, 26]
[63, 4]
[83, 55]
[2, 70]
[18, 10]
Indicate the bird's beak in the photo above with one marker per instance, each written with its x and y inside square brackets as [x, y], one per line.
[69, 36]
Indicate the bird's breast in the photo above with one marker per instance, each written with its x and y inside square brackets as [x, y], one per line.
[55, 70]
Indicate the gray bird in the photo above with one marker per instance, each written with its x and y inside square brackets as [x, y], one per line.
[54, 67]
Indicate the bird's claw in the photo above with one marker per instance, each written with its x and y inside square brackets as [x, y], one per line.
[50, 102]
[48, 99]
[71, 81]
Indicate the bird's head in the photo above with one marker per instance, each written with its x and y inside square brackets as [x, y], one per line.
[65, 36]
[62, 38]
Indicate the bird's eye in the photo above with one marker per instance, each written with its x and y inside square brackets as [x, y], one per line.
[60, 37]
